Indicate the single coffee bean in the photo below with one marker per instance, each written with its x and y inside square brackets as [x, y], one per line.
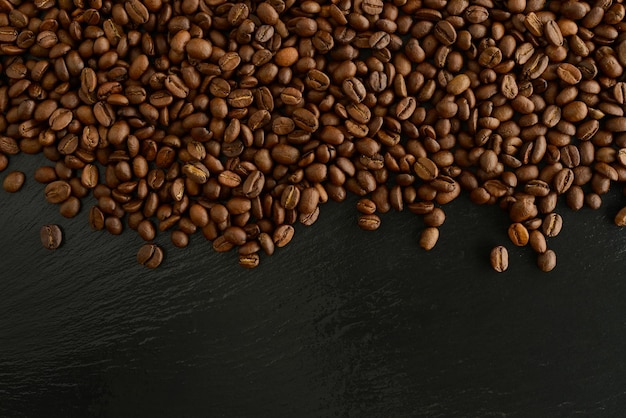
[537, 241]
[249, 261]
[150, 256]
[96, 219]
[546, 261]
[459, 84]
[620, 218]
[305, 120]
[70, 207]
[499, 258]
[266, 242]
[179, 238]
[89, 176]
[13, 181]
[435, 218]
[283, 235]
[429, 238]
[51, 236]
[518, 234]
[369, 222]
[426, 169]
[552, 225]
[57, 191]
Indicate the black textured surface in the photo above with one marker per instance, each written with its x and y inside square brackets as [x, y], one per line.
[341, 322]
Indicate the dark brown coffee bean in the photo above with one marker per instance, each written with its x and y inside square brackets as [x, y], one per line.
[96, 218]
[266, 242]
[150, 256]
[368, 222]
[13, 181]
[552, 225]
[57, 191]
[546, 261]
[51, 236]
[499, 259]
[537, 241]
[305, 120]
[179, 238]
[283, 235]
[137, 11]
[354, 89]
[60, 119]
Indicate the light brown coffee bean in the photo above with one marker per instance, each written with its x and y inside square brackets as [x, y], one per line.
[499, 258]
[429, 238]
[518, 234]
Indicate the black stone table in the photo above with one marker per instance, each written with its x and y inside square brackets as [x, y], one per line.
[340, 323]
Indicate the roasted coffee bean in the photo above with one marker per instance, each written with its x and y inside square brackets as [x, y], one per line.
[57, 191]
[552, 225]
[518, 234]
[218, 116]
[266, 242]
[537, 241]
[150, 256]
[429, 238]
[13, 181]
[51, 236]
[283, 235]
[369, 222]
[249, 260]
[499, 258]
[546, 261]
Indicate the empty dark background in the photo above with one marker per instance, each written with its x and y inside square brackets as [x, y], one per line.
[340, 323]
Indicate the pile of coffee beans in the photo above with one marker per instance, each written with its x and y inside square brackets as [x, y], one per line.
[237, 120]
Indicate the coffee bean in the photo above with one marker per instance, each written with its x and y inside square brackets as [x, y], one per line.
[546, 261]
[57, 191]
[150, 255]
[283, 235]
[250, 117]
[13, 181]
[499, 259]
[518, 234]
[369, 222]
[537, 242]
[620, 218]
[179, 238]
[266, 242]
[552, 225]
[70, 207]
[51, 236]
[249, 260]
[429, 238]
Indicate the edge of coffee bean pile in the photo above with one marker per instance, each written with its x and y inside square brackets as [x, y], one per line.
[237, 120]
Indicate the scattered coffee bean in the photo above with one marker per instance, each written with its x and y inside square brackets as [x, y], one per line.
[429, 238]
[13, 181]
[51, 236]
[546, 261]
[499, 258]
[150, 255]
